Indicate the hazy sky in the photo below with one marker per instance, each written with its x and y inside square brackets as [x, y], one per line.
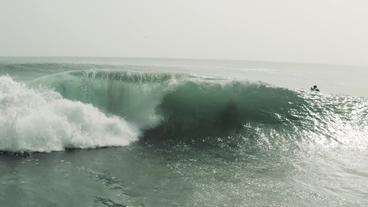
[324, 31]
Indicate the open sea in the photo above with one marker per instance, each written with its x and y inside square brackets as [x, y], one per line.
[120, 132]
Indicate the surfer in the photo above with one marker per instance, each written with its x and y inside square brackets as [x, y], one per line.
[314, 88]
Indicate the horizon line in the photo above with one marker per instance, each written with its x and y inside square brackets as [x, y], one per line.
[193, 59]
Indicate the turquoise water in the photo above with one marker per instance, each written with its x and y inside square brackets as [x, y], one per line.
[156, 132]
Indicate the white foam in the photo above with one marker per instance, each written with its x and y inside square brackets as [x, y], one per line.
[41, 120]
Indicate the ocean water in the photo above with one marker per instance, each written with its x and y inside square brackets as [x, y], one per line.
[171, 132]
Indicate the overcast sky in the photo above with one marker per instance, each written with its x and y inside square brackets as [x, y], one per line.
[320, 31]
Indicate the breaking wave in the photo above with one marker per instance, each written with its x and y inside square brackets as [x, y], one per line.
[186, 108]
[99, 108]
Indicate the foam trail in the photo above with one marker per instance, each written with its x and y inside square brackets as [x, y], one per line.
[41, 120]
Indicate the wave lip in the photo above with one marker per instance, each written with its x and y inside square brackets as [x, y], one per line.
[41, 120]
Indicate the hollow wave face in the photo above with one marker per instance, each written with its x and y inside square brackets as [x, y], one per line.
[199, 110]
[42, 120]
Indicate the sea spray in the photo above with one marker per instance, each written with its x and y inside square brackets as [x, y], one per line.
[41, 120]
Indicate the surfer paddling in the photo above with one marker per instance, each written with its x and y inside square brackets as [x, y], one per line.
[314, 88]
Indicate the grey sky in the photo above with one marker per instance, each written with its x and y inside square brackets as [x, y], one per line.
[323, 31]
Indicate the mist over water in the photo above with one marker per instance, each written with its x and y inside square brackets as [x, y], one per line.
[176, 133]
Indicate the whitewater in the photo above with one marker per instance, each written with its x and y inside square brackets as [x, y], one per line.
[43, 121]
[156, 132]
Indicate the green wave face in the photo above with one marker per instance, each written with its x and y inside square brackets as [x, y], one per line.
[197, 109]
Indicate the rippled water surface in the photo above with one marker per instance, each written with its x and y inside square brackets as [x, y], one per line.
[149, 132]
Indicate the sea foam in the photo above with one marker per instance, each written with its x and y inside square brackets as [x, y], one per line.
[42, 120]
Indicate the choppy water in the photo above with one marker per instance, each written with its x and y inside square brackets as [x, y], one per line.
[147, 132]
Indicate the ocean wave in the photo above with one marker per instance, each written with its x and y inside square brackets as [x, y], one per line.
[98, 108]
[181, 107]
